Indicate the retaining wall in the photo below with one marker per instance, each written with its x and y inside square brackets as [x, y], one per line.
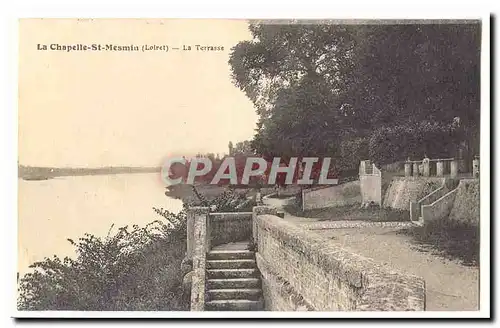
[466, 205]
[345, 194]
[302, 270]
[404, 190]
[416, 207]
[229, 227]
[440, 209]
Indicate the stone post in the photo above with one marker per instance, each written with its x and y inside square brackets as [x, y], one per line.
[475, 168]
[415, 169]
[440, 168]
[407, 169]
[427, 167]
[454, 168]
[201, 244]
[195, 213]
[258, 198]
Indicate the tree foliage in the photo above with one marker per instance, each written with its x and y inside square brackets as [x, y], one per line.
[316, 87]
[389, 144]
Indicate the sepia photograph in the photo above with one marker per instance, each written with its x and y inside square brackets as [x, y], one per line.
[192, 166]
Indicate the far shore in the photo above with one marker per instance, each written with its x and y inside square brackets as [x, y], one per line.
[46, 173]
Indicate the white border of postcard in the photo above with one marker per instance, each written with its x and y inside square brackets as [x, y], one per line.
[254, 9]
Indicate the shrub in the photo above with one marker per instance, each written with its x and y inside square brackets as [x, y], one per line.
[227, 201]
[135, 269]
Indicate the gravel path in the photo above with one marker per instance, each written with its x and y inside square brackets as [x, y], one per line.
[450, 286]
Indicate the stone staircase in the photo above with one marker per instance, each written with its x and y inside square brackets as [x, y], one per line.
[233, 281]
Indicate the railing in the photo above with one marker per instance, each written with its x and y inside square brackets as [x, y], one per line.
[438, 167]
[432, 167]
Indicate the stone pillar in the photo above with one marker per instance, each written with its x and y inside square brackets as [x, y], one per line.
[195, 213]
[427, 167]
[475, 168]
[407, 169]
[201, 245]
[415, 169]
[454, 168]
[440, 168]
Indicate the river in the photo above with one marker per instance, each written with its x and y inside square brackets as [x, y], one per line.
[50, 211]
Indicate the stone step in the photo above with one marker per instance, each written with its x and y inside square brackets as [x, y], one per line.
[233, 283]
[230, 255]
[234, 305]
[231, 264]
[232, 273]
[252, 294]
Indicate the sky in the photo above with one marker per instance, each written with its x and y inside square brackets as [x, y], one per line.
[92, 109]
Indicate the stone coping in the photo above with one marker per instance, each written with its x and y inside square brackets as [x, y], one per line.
[354, 224]
[271, 196]
[220, 216]
[199, 209]
[420, 178]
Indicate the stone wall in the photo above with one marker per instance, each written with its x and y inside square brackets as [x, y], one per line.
[466, 208]
[440, 209]
[229, 227]
[341, 195]
[302, 270]
[404, 190]
[416, 207]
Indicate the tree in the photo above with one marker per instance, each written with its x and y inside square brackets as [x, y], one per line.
[243, 148]
[293, 73]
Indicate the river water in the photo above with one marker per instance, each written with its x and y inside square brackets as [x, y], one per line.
[50, 211]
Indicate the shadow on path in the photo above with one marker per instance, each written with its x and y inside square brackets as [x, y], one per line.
[451, 240]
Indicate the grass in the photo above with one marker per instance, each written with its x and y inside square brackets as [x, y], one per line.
[210, 192]
[450, 239]
[350, 212]
[185, 192]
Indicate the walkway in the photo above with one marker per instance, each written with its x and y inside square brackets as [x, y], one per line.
[450, 286]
